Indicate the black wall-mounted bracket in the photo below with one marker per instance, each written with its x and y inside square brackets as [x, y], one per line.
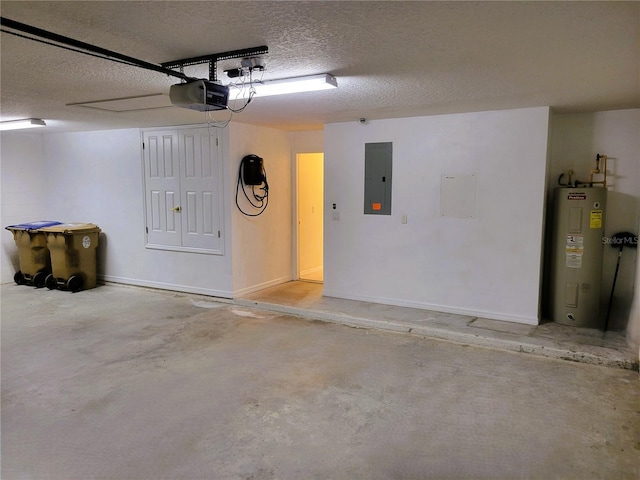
[214, 58]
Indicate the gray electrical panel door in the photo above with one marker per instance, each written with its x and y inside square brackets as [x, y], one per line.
[377, 178]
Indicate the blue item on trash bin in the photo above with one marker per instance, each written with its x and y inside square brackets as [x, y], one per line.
[34, 225]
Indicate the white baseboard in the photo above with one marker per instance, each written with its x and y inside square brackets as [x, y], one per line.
[167, 286]
[260, 286]
[434, 307]
[311, 271]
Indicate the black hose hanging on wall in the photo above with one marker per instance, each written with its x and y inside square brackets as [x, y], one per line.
[252, 172]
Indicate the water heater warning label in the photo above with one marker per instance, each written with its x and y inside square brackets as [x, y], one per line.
[574, 251]
[595, 219]
[575, 240]
[574, 260]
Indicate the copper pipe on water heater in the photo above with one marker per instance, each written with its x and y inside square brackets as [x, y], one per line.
[597, 171]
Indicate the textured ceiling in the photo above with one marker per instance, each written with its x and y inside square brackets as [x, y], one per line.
[391, 58]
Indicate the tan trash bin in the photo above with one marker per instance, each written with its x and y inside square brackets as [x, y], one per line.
[73, 255]
[33, 254]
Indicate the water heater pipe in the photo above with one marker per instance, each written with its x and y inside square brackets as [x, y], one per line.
[597, 170]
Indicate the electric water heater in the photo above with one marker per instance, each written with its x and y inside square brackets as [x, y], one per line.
[577, 256]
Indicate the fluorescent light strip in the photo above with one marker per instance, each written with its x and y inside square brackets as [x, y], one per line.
[311, 83]
[25, 123]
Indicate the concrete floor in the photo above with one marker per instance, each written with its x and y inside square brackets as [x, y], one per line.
[128, 383]
[549, 339]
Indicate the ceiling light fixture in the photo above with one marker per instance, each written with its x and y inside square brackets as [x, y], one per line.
[310, 83]
[24, 123]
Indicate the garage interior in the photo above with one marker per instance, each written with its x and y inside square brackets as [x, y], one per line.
[394, 324]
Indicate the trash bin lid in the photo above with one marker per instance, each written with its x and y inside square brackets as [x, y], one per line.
[71, 228]
[33, 225]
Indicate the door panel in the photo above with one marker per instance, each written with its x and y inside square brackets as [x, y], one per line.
[162, 181]
[200, 187]
[183, 187]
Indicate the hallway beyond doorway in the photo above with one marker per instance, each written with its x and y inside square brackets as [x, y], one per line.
[310, 212]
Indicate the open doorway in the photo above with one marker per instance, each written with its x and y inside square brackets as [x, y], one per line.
[310, 193]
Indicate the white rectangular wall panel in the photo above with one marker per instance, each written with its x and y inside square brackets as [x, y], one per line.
[458, 195]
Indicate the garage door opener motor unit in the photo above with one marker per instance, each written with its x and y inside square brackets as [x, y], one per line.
[200, 95]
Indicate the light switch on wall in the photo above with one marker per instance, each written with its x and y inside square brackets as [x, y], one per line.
[404, 218]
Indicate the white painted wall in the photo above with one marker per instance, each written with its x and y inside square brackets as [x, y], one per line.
[23, 194]
[576, 139]
[262, 245]
[446, 264]
[97, 177]
[489, 266]
[311, 141]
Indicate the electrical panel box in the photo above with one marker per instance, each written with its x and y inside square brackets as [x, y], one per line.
[377, 178]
